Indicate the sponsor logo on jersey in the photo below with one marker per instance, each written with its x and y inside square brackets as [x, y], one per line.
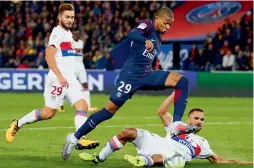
[67, 50]
[212, 12]
[185, 140]
[150, 55]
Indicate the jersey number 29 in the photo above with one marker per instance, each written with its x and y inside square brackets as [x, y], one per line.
[126, 87]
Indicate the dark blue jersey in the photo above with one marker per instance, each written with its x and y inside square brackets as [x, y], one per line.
[139, 61]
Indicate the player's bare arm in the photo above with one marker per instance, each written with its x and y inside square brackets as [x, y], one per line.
[165, 116]
[220, 160]
[50, 58]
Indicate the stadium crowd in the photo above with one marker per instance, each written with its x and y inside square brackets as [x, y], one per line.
[25, 29]
[231, 48]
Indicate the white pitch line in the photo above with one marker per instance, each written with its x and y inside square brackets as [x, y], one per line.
[127, 125]
[127, 117]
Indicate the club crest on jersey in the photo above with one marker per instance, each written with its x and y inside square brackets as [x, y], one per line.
[212, 12]
[53, 97]
[118, 94]
[150, 55]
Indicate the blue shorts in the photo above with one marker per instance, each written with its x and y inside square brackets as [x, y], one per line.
[126, 86]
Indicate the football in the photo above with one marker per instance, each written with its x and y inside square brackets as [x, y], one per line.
[174, 162]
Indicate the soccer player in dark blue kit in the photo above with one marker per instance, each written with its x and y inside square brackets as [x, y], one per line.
[137, 74]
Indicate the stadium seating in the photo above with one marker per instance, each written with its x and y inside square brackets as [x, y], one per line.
[25, 28]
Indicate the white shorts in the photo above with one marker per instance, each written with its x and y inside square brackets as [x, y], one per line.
[149, 144]
[54, 93]
[81, 74]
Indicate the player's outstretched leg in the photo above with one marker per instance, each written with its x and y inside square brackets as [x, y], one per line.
[87, 127]
[114, 144]
[80, 118]
[34, 116]
[181, 85]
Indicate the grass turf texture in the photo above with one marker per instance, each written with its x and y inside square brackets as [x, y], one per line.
[228, 128]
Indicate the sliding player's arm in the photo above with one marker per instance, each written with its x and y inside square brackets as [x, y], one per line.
[220, 160]
[207, 153]
[165, 116]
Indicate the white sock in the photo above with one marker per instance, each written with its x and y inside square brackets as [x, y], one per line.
[29, 118]
[112, 145]
[87, 97]
[80, 118]
[74, 140]
[61, 102]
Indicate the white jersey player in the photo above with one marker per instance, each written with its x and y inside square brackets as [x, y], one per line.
[61, 80]
[154, 149]
[79, 70]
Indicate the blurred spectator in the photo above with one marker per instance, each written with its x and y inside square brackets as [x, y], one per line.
[250, 58]
[10, 63]
[225, 46]
[109, 62]
[24, 64]
[226, 25]
[236, 49]
[1, 58]
[228, 61]
[202, 59]
[193, 58]
[217, 64]
[241, 62]
[218, 42]
[229, 38]
[210, 54]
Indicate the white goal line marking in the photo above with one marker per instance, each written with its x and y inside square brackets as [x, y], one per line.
[127, 117]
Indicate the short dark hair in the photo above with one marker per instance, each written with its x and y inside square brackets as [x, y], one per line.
[195, 109]
[65, 7]
[164, 11]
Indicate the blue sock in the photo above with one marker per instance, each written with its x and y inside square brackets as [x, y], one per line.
[180, 99]
[92, 122]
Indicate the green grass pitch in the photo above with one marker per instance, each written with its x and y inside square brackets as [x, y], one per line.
[228, 128]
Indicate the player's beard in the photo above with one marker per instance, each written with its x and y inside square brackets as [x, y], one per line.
[65, 26]
[198, 130]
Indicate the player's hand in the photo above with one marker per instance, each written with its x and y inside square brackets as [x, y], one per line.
[149, 45]
[63, 82]
[245, 163]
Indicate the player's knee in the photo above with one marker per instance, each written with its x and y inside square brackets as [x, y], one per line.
[162, 111]
[111, 107]
[127, 132]
[185, 80]
[183, 83]
[81, 105]
[47, 114]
